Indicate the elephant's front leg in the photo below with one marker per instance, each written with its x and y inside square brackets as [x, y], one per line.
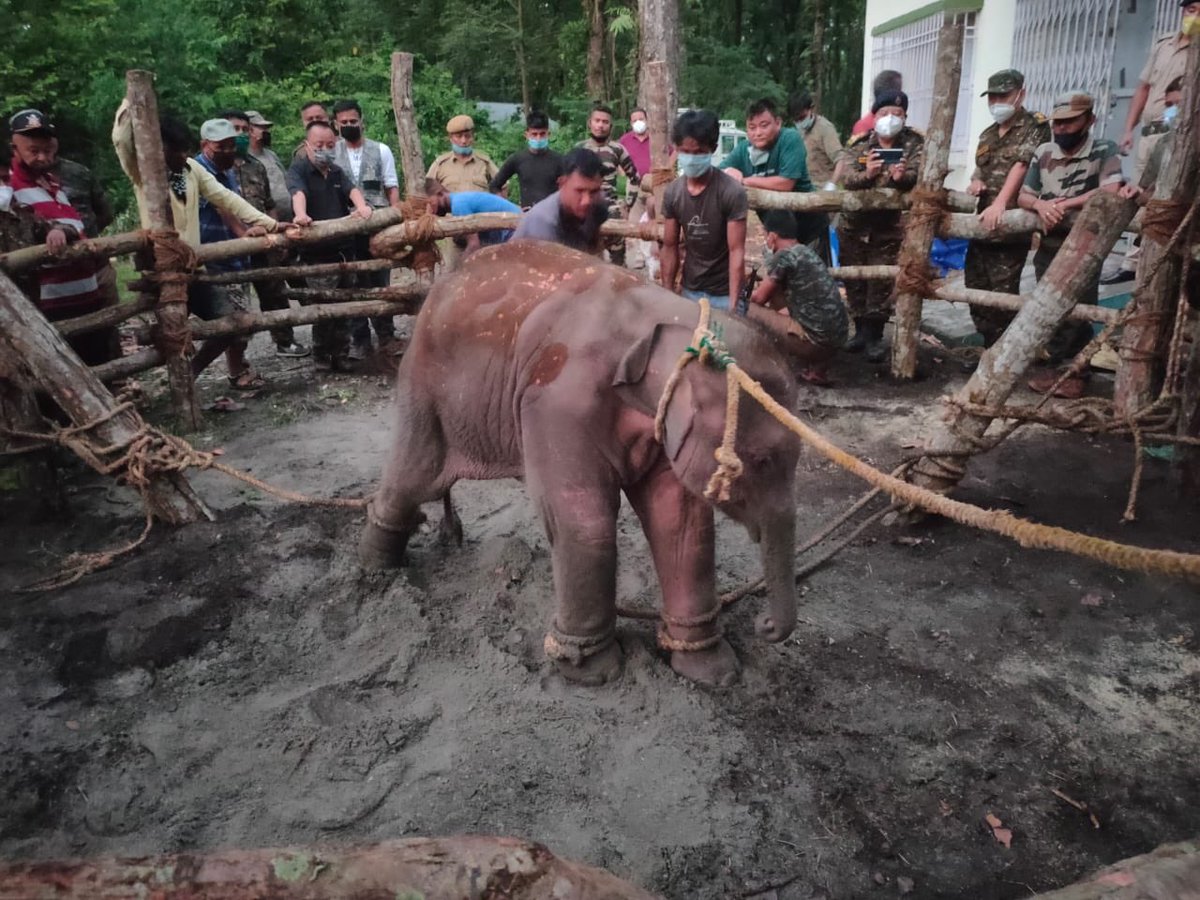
[680, 529]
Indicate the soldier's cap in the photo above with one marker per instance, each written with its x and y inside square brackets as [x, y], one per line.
[1071, 105]
[30, 121]
[254, 117]
[460, 123]
[1004, 82]
[217, 130]
[890, 98]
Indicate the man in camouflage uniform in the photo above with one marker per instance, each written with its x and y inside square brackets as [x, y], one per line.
[255, 184]
[1001, 161]
[1062, 176]
[873, 238]
[612, 157]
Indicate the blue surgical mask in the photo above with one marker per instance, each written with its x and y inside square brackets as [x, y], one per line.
[1170, 114]
[538, 143]
[462, 151]
[694, 165]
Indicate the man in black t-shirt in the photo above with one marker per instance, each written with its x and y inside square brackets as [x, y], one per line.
[321, 190]
[537, 168]
[708, 210]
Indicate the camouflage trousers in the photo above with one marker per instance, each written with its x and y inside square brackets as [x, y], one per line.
[994, 266]
[331, 337]
[1072, 335]
[616, 245]
[870, 301]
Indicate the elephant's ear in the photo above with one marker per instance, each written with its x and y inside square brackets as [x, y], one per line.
[629, 381]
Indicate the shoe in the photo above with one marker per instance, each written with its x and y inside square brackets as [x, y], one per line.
[858, 343]
[293, 349]
[359, 352]
[1072, 387]
[877, 350]
[1119, 277]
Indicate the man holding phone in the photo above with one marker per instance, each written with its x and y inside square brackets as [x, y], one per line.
[889, 155]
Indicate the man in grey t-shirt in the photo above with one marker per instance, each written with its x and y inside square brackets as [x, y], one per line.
[571, 216]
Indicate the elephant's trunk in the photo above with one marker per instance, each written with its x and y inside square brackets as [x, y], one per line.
[779, 569]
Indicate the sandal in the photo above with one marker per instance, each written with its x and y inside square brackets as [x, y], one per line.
[247, 380]
[225, 404]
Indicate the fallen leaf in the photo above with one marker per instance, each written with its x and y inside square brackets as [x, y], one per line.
[1002, 835]
[906, 541]
[945, 808]
[905, 884]
[72, 725]
[1092, 600]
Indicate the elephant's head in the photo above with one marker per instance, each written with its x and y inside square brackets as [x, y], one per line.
[762, 499]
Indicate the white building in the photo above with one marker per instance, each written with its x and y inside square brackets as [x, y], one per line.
[1098, 46]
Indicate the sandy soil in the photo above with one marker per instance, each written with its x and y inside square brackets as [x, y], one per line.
[243, 683]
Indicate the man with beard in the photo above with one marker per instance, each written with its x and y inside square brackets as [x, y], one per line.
[612, 157]
[573, 214]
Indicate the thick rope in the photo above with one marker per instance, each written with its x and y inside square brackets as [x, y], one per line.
[916, 278]
[574, 649]
[1161, 218]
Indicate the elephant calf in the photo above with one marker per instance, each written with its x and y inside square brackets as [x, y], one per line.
[537, 362]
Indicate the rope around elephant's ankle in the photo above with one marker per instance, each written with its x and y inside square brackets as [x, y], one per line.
[666, 642]
[573, 648]
[377, 522]
[703, 618]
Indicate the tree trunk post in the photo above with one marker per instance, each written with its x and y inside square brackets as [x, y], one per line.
[412, 163]
[53, 366]
[1146, 333]
[1077, 263]
[658, 30]
[655, 85]
[171, 309]
[930, 195]
[1187, 458]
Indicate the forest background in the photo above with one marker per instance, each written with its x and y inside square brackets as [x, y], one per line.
[68, 58]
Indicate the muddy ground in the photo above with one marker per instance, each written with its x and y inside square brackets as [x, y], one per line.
[242, 683]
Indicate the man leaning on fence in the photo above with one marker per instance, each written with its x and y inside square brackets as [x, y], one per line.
[1062, 177]
[1001, 161]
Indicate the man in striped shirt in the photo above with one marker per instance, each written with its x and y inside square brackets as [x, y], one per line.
[69, 289]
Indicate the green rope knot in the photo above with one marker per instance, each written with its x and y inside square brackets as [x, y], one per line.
[713, 351]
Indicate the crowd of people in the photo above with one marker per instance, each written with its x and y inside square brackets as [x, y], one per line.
[237, 185]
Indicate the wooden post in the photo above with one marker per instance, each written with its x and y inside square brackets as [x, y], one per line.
[658, 35]
[1076, 265]
[172, 308]
[467, 866]
[1187, 459]
[412, 163]
[660, 116]
[54, 367]
[923, 221]
[1145, 335]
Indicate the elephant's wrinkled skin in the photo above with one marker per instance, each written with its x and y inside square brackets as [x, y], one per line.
[539, 362]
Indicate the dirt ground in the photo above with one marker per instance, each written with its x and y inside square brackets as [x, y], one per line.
[242, 683]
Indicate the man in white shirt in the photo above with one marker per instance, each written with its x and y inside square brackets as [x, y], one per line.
[372, 169]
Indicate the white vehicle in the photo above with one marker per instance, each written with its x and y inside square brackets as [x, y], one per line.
[730, 135]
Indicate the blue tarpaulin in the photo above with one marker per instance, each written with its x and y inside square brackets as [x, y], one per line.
[947, 255]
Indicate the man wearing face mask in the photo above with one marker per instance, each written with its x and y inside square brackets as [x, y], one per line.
[636, 142]
[1001, 161]
[1062, 176]
[463, 168]
[372, 169]
[260, 149]
[820, 138]
[873, 238]
[537, 167]
[321, 191]
[613, 156]
[707, 209]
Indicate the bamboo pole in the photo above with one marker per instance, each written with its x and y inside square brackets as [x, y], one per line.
[107, 317]
[404, 302]
[1145, 335]
[452, 867]
[849, 201]
[412, 163]
[171, 309]
[92, 248]
[28, 337]
[1075, 266]
[297, 271]
[919, 230]
[1081, 312]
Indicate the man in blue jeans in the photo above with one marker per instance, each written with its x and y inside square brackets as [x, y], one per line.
[708, 210]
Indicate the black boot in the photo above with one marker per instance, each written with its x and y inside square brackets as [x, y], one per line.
[877, 350]
[857, 343]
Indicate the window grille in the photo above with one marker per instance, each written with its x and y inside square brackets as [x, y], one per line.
[1063, 45]
[912, 51]
[1166, 19]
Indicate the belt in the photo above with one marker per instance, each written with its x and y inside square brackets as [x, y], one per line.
[1155, 128]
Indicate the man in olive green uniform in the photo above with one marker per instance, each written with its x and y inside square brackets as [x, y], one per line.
[873, 238]
[1001, 161]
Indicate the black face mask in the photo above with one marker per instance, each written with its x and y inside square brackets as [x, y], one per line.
[351, 132]
[266, 139]
[1070, 140]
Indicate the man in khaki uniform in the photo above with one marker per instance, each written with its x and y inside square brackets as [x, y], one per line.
[819, 136]
[462, 169]
[1001, 161]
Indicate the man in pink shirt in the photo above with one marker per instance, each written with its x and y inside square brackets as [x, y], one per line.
[636, 142]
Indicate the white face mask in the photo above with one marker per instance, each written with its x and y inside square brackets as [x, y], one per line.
[759, 157]
[639, 127]
[1002, 112]
[6, 195]
[889, 126]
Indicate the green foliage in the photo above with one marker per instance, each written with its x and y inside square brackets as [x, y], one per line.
[68, 57]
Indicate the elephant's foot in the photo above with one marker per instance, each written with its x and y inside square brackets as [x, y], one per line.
[381, 545]
[715, 666]
[450, 530]
[590, 661]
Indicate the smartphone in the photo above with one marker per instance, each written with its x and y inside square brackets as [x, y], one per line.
[889, 156]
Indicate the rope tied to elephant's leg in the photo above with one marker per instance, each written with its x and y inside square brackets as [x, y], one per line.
[574, 648]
